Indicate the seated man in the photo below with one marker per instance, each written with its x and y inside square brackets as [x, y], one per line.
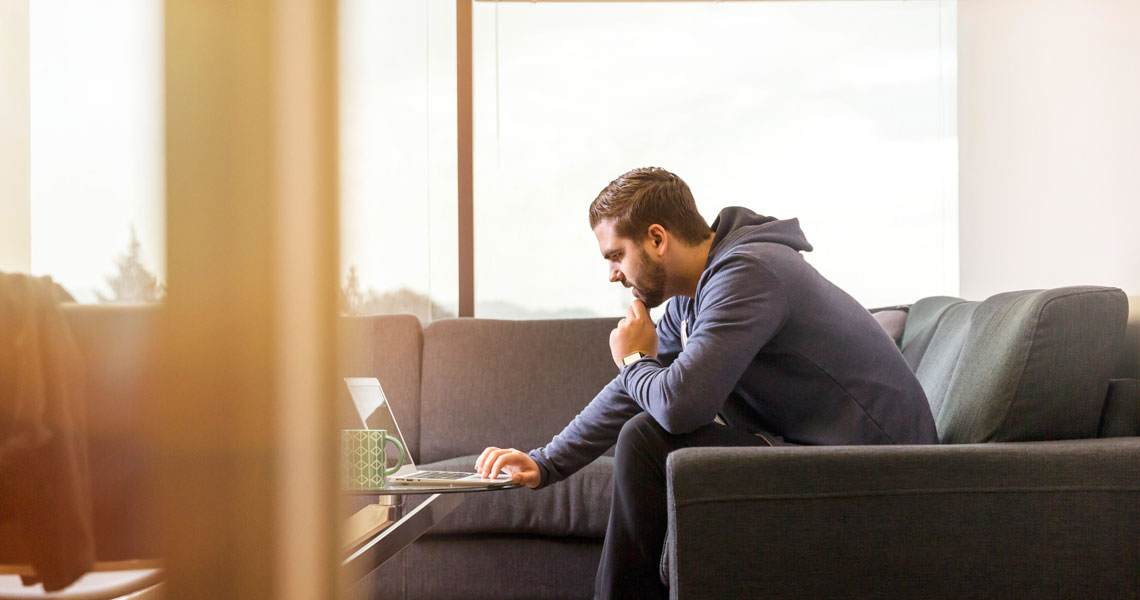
[756, 349]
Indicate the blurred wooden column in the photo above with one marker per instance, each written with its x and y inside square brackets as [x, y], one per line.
[246, 423]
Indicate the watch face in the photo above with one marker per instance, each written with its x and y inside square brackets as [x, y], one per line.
[632, 358]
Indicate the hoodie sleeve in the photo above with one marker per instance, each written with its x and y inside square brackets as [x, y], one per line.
[588, 436]
[740, 308]
[596, 428]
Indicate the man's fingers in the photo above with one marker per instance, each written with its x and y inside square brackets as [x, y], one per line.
[638, 309]
[485, 460]
[489, 462]
[499, 464]
[510, 461]
[483, 457]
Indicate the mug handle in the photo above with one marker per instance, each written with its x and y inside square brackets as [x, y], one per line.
[399, 459]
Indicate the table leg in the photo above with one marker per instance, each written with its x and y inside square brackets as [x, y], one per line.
[394, 502]
[394, 537]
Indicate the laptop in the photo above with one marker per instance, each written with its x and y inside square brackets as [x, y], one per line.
[372, 406]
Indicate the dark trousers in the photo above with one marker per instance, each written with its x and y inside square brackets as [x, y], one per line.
[631, 556]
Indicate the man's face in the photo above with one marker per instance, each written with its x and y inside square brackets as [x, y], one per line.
[632, 265]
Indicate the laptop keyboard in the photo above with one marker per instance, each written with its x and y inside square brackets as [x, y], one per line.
[442, 475]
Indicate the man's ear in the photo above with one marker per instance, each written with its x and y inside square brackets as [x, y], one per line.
[659, 238]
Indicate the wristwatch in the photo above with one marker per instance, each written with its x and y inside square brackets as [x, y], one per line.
[632, 358]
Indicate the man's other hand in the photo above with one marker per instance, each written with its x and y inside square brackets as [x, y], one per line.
[634, 333]
[521, 468]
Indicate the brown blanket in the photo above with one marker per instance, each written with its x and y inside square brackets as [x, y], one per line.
[45, 480]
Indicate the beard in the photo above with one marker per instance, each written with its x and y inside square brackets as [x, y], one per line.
[650, 288]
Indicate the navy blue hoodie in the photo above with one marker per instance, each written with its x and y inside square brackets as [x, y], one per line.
[766, 343]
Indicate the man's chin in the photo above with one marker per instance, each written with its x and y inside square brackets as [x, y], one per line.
[648, 302]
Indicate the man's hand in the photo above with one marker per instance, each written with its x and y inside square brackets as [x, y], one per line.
[518, 465]
[634, 333]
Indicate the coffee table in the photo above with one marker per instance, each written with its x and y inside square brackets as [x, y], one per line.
[380, 531]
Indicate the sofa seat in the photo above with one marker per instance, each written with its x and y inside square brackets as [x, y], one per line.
[577, 507]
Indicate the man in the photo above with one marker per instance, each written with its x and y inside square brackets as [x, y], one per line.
[756, 349]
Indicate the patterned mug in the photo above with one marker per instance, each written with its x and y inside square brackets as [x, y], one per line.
[364, 458]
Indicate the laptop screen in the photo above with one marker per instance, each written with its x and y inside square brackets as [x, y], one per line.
[376, 413]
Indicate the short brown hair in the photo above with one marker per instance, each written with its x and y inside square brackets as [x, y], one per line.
[647, 196]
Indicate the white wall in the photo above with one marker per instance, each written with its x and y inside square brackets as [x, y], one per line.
[1049, 144]
[15, 148]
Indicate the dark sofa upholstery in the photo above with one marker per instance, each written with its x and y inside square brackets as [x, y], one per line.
[509, 384]
[1022, 516]
[1008, 520]
[1018, 368]
[1010, 509]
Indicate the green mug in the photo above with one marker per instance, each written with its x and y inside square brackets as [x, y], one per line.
[364, 458]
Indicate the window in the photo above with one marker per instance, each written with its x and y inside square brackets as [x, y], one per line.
[838, 113]
[398, 165]
[97, 147]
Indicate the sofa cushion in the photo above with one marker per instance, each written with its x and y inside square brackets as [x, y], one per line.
[921, 323]
[941, 352]
[1032, 365]
[578, 506]
[498, 568]
[508, 383]
[1121, 416]
[1128, 362]
[893, 321]
[119, 344]
[388, 348]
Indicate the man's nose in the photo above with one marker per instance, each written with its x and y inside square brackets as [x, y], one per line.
[615, 276]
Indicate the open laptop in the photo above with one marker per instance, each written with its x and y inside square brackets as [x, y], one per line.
[372, 405]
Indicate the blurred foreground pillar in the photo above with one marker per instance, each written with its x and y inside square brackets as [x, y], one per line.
[246, 428]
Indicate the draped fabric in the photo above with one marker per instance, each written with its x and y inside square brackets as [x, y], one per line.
[45, 480]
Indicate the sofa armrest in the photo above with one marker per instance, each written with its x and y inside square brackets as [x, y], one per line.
[1037, 519]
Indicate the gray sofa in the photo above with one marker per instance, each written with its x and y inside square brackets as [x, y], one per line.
[1021, 500]
[997, 510]
[460, 385]
[1001, 509]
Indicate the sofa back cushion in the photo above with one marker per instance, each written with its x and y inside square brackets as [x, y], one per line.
[1030, 365]
[921, 324]
[387, 347]
[508, 383]
[892, 320]
[1121, 417]
[1128, 363]
[942, 352]
[118, 346]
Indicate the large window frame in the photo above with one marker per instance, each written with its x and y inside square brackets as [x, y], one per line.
[465, 137]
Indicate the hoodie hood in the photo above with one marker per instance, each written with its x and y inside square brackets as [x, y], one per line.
[736, 225]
